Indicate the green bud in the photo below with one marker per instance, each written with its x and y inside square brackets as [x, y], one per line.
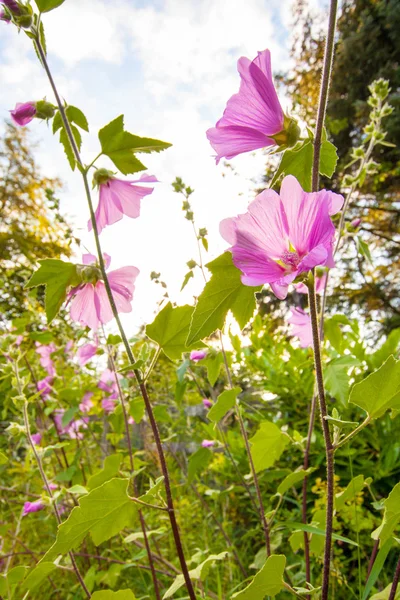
[203, 232]
[44, 110]
[191, 264]
[185, 205]
[289, 135]
[189, 215]
[89, 273]
[25, 17]
[154, 275]
[102, 176]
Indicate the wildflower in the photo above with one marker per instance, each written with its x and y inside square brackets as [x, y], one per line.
[12, 6]
[108, 404]
[23, 113]
[90, 305]
[36, 438]
[207, 403]
[53, 486]
[4, 16]
[253, 118]
[281, 237]
[44, 386]
[86, 403]
[108, 383]
[72, 428]
[45, 352]
[301, 288]
[118, 197]
[197, 355]
[86, 353]
[355, 223]
[32, 507]
[207, 443]
[301, 326]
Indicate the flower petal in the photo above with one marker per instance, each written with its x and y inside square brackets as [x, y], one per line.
[232, 140]
[83, 309]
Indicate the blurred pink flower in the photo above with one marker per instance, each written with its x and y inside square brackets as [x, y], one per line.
[36, 438]
[197, 355]
[19, 340]
[23, 113]
[108, 405]
[207, 443]
[45, 352]
[44, 386]
[108, 382]
[253, 115]
[32, 507]
[119, 197]
[356, 223]
[53, 486]
[207, 403]
[68, 348]
[86, 353]
[301, 288]
[281, 237]
[301, 327]
[12, 6]
[73, 428]
[4, 16]
[90, 305]
[86, 403]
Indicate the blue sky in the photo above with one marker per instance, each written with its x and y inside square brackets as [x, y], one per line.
[169, 66]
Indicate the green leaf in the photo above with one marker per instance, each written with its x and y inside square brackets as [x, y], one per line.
[293, 478]
[391, 517]
[136, 409]
[75, 115]
[213, 365]
[390, 346]
[199, 573]
[267, 582]
[110, 595]
[328, 159]
[377, 568]
[297, 162]
[385, 594]
[57, 276]
[188, 276]
[198, 462]
[352, 489]
[333, 334]
[380, 391]
[222, 293]
[170, 330]
[267, 445]
[103, 513]
[316, 531]
[44, 337]
[363, 249]
[48, 5]
[110, 469]
[3, 459]
[38, 575]
[67, 148]
[336, 376]
[225, 402]
[120, 145]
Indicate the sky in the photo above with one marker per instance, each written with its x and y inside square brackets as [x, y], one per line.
[169, 66]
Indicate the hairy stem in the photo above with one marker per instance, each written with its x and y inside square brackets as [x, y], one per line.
[131, 358]
[304, 490]
[395, 583]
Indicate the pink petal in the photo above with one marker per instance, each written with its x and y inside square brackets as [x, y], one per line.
[317, 256]
[232, 140]
[83, 309]
[89, 259]
[102, 304]
[106, 212]
[127, 197]
[85, 353]
[301, 326]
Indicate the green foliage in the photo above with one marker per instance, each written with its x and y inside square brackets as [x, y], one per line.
[292, 479]
[110, 595]
[57, 276]
[267, 582]
[222, 293]
[337, 378]
[198, 462]
[120, 146]
[110, 469]
[48, 5]
[170, 330]
[380, 391]
[199, 573]
[38, 574]
[225, 402]
[377, 568]
[267, 445]
[391, 517]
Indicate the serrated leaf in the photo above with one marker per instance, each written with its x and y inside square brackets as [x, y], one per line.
[225, 402]
[57, 122]
[77, 136]
[292, 479]
[198, 462]
[110, 469]
[57, 276]
[222, 293]
[75, 115]
[328, 159]
[110, 595]
[390, 346]
[380, 391]
[38, 575]
[188, 276]
[297, 162]
[170, 330]
[103, 513]
[267, 445]
[67, 148]
[267, 582]
[391, 517]
[48, 5]
[199, 573]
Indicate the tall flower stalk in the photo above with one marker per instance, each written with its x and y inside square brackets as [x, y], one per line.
[131, 358]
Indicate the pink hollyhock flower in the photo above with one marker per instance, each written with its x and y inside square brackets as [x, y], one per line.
[253, 117]
[118, 198]
[207, 403]
[86, 403]
[90, 305]
[301, 326]
[23, 113]
[45, 351]
[108, 382]
[197, 355]
[12, 6]
[281, 237]
[19, 340]
[36, 438]
[74, 428]
[32, 507]
[301, 288]
[85, 353]
[108, 404]
[53, 487]
[4, 16]
[207, 443]
[356, 223]
[44, 386]
[68, 348]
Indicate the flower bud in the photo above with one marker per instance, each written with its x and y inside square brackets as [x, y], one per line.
[289, 135]
[44, 110]
[102, 176]
[12, 6]
[191, 264]
[355, 223]
[23, 113]
[89, 273]
[203, 232]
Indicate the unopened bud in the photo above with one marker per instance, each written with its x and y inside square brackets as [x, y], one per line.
[355, 223]
[102, 176]
[289, 135]
[203, 232]
[191, 264]
[44, 110]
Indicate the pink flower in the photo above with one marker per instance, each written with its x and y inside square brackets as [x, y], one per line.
[32, 507]
[53, 486]
[118, 198]
[4, 16]
[19, 339]
[45, 351]
[23, 113]
[301, 288]
[108, 382]
[207, 443]
[12, 6]
[86, 403]
[356, 223]
[197, 355]
[90, 305]
[108, 404]
[72, 429]
[68, 348]
[36, 438]
[207, 403]
[301, 326]
[85, 353]
[281, 237]
[44, 386]
[253, 116]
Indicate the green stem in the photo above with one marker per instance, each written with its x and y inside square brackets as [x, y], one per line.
[352, 433]
[142, 386]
